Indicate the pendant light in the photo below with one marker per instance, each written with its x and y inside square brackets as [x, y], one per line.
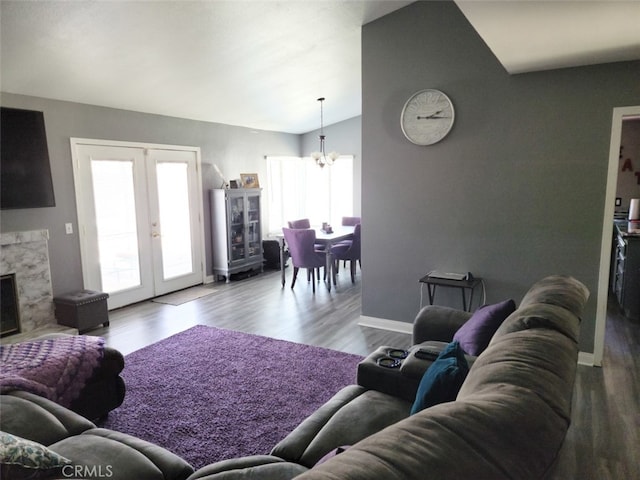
[321, 157]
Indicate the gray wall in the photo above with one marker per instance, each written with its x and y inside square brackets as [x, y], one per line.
[234, 149]
[513, 194]
[345, 138]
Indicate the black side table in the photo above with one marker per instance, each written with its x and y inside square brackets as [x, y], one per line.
[463, 285]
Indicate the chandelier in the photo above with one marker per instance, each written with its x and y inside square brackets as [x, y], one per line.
[321, 157]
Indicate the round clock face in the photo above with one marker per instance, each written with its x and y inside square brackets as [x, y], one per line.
[427, 117]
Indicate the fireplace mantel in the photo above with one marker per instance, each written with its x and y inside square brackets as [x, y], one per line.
[13, 238]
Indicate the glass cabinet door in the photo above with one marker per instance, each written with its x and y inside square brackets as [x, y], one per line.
[237, 228]
[253, 233]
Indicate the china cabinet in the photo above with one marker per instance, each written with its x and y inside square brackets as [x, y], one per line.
[236, 230]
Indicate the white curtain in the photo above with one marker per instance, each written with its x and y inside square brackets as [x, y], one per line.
[298, 188]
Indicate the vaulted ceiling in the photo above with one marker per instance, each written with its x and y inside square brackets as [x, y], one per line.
[263, 64]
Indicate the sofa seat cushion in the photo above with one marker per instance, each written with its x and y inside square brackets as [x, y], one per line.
[352, 414]
[256, 467]
[122, 457]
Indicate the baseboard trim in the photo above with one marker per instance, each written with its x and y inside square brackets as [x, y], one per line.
[384, 324]
[588, 359]
[584, 358]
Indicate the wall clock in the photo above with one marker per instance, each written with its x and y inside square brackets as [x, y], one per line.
[427, 117]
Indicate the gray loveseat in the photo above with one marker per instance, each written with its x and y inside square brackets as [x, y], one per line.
[509, 419]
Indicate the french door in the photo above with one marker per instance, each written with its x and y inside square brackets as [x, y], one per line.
[139, 218]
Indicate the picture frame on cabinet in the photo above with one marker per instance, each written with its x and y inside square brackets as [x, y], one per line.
[250, 180]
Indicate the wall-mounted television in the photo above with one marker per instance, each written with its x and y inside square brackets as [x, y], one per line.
[25, 172]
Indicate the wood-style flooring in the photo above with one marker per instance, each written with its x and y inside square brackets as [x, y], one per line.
[261, 306]
[603, 441]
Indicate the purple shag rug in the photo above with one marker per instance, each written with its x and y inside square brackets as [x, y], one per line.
[208, 394]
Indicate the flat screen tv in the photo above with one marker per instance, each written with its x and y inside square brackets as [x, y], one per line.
[25, 172]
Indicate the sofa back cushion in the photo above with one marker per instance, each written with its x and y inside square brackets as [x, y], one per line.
[559, 290]
[554, 303]
[39, 419]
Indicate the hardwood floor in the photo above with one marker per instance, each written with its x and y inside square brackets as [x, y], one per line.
[259, 305]
[603, 441]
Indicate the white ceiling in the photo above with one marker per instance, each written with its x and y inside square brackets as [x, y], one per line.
[263, 64]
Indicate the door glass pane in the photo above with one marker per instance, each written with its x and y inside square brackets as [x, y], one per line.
[175, 220]
[116, 224]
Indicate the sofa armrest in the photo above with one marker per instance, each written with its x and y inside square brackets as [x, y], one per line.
[293, 446]
[105, 389]
[438, 323]
[354, 413]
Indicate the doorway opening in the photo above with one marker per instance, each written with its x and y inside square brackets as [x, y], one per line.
[619, 115]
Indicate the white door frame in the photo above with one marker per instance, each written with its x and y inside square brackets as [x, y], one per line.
[607, 230]
[138, 145]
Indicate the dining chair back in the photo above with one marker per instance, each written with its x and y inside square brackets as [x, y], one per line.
[350, 221]
[351, 252]
[301, 223]
[303, 253]
[305, 223]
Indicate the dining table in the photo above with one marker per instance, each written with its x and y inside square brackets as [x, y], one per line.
[328, 239]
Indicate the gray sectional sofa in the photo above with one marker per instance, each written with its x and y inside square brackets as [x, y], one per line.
[508, 421]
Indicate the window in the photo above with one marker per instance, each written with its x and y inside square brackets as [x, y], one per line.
[298, 188]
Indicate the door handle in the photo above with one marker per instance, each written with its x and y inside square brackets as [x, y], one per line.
[155, 234]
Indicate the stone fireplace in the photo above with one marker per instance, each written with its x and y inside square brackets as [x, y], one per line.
[25, 256]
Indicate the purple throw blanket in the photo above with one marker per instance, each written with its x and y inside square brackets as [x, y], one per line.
[56, 368]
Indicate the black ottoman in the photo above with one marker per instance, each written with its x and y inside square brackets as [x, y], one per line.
[83, 310]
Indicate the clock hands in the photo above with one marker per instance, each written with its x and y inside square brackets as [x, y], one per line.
[432, 116]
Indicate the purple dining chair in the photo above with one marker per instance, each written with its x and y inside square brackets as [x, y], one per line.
[344, 251]
[352, 222]
[303, 254]
[305, 223]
